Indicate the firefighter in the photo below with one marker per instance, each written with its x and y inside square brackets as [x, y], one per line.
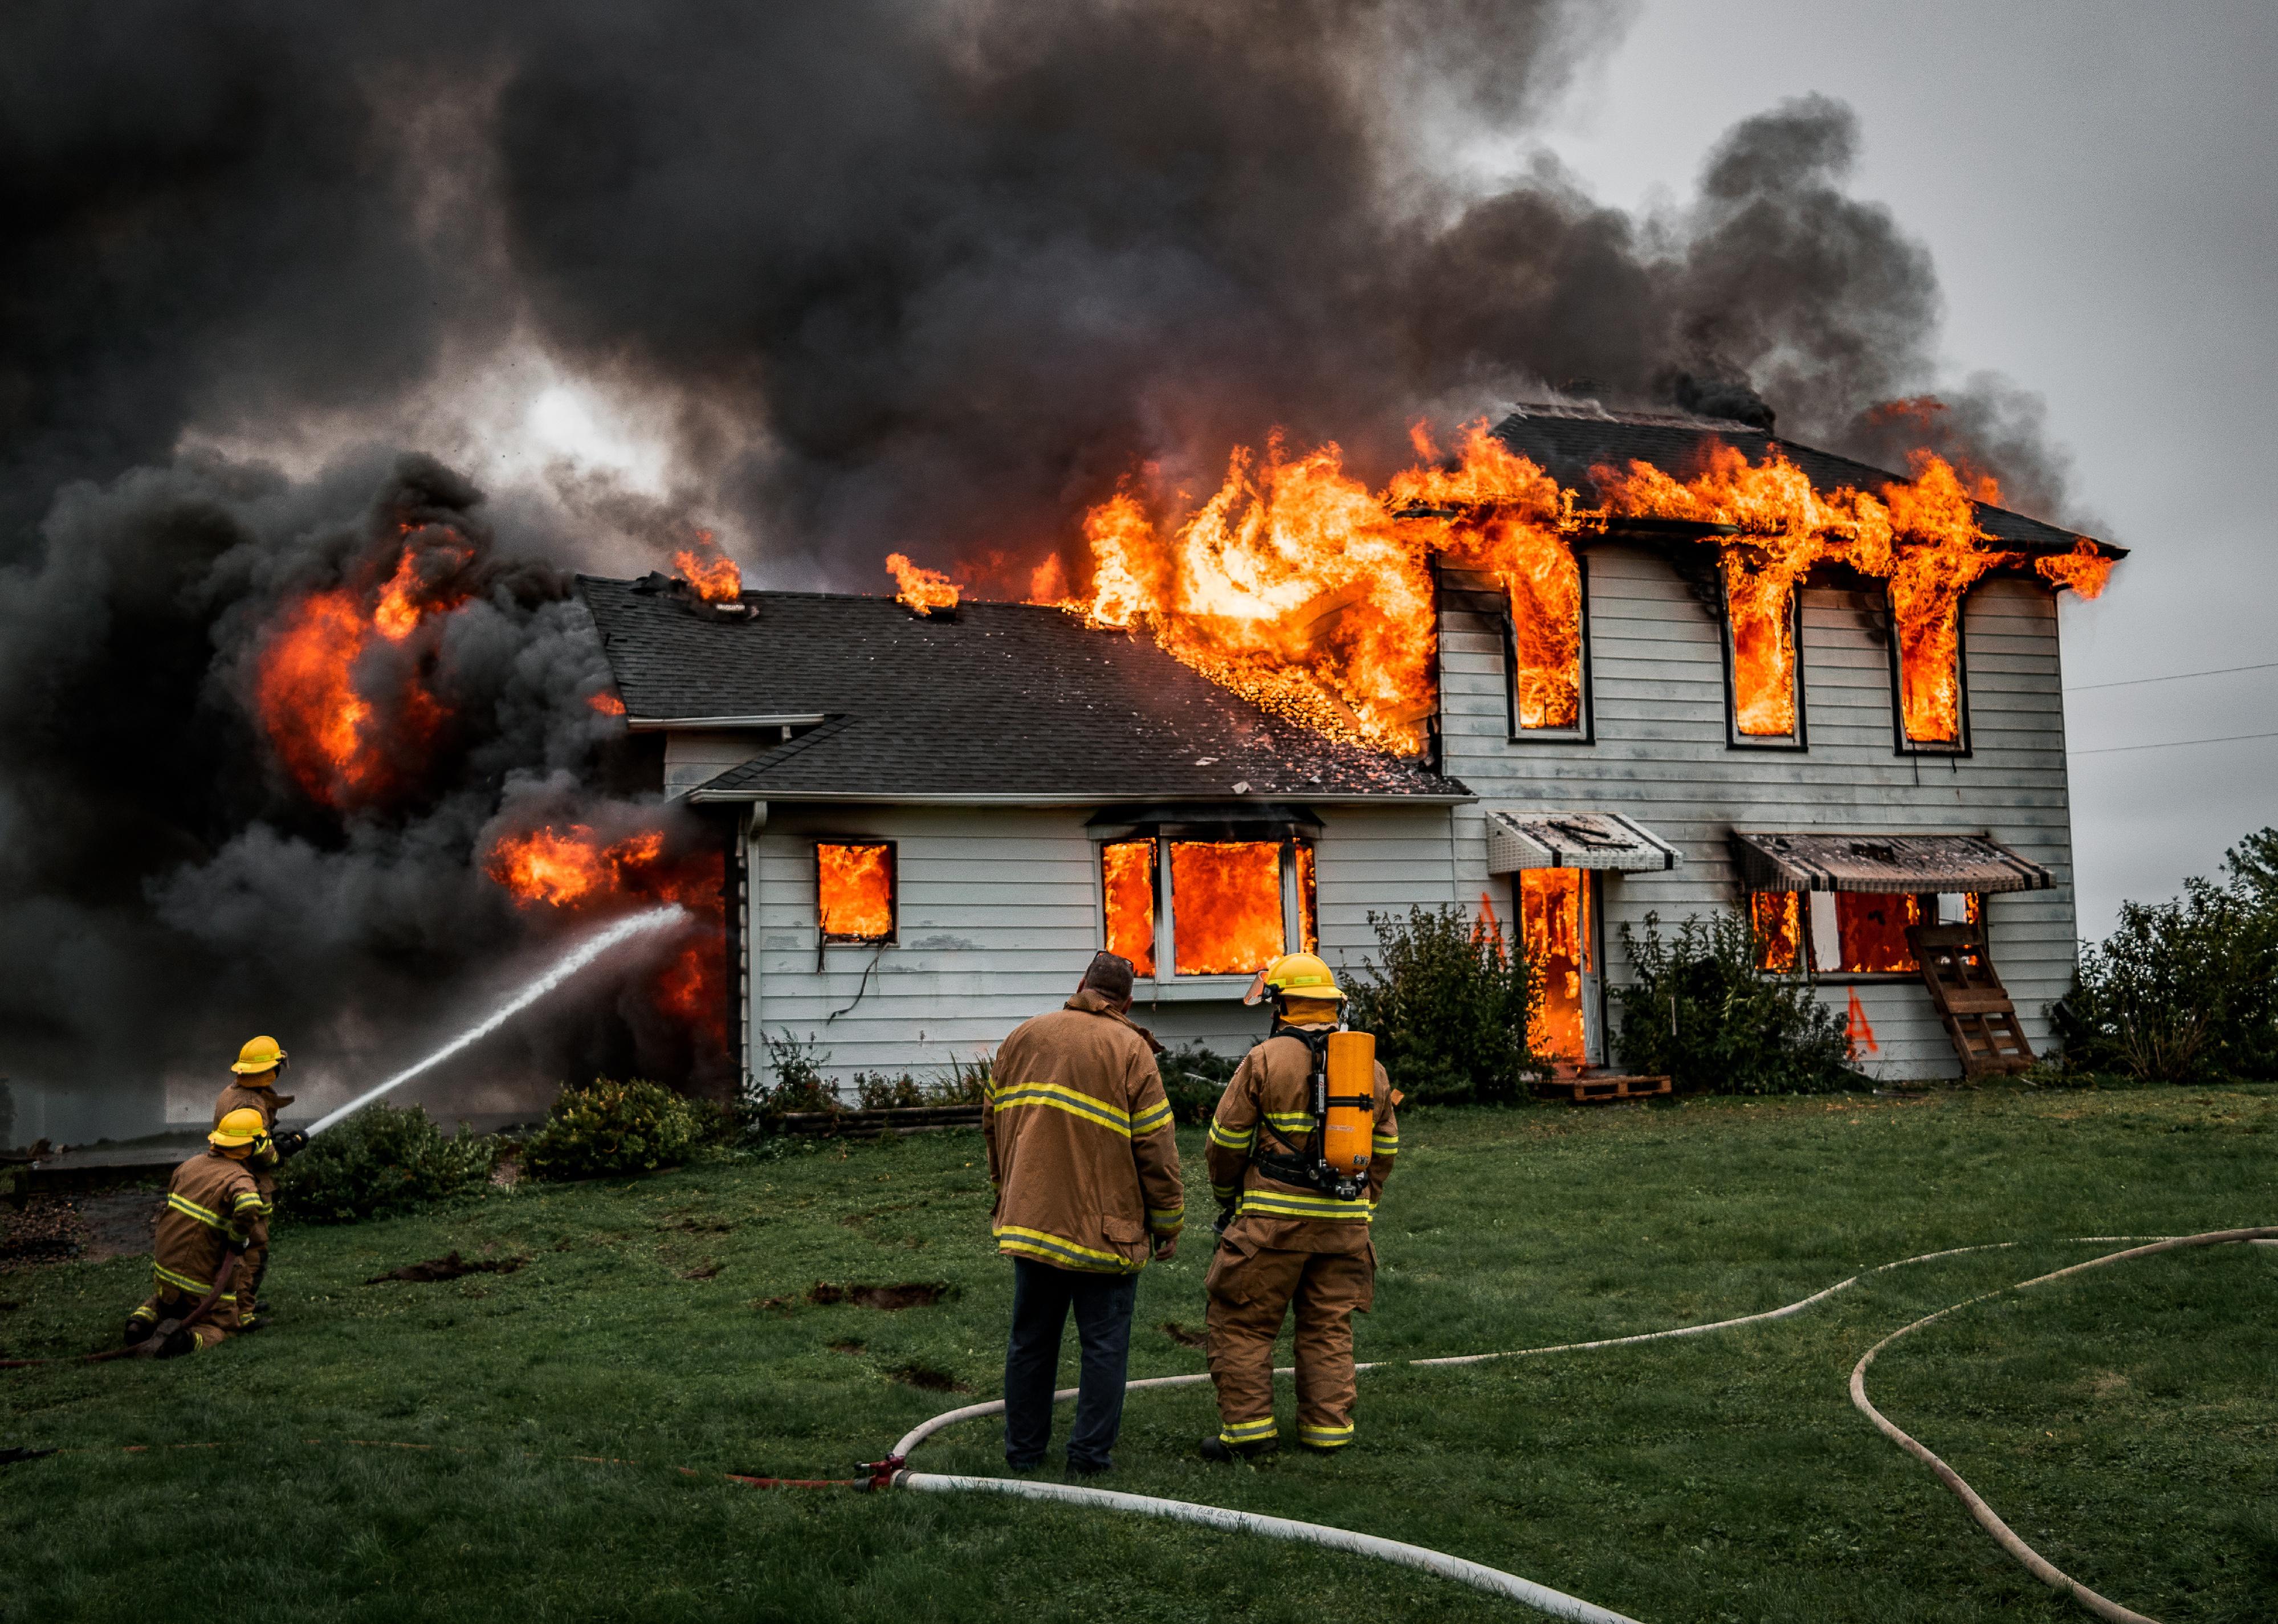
[214, 1214]
[1294, 1230]
[259, 1065]
[1081, 1152]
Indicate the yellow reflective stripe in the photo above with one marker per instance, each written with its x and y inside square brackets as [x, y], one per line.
[189, 1208]
[1068, 1099]
[1384, 1144]
[1325, 1437]
[1280, 1204]
[1227, 1140]
[1155, 1116]
[181, 1282]
[250, 1198]
[1057, 1248]
[1168, 1220]
[1291, 1122]
[1245, 1431]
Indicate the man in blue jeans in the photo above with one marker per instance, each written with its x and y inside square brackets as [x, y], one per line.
[1087, 1189]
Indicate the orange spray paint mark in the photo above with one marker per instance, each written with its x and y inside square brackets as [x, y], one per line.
[1858, 1031]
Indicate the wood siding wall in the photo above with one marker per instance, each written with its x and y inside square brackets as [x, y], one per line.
[1661, 758]
[999, 913]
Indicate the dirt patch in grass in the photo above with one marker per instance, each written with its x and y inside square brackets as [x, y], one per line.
[450, 1267]
[698, 1226]
[850, 1346]
[1184, 1337]
[702, 1272]
[908, 1294]
[915, 1375]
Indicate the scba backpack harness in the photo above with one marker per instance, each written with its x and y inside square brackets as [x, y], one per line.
[1342, 1090]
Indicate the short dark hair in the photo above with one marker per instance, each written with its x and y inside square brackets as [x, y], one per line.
[1109, 974]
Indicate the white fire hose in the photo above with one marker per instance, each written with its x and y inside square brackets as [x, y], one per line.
[1543, 1598]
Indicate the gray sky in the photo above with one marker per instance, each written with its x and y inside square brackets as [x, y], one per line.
[2096, 182]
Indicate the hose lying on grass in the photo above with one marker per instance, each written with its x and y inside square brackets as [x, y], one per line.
[1557, 1604]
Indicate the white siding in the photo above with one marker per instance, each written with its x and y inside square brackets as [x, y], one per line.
[1661, 758]
[692, 755]
[998, 914]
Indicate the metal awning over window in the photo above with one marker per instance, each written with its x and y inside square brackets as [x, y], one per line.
[1573, 840]
[1818, 860]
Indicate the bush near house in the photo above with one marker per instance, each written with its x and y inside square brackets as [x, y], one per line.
[1451, 1006]
[2187, 990]
[1192, 1078]
[381, 1161]
[607, 1128]
[1701, 1013]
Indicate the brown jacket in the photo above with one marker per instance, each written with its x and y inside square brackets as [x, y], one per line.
[211, 1203]
[268, 1102]
[1080, 1146]
[1271, 1088]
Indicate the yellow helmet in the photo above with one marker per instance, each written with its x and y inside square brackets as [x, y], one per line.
[242, 1126]
[259, 1055]
[1298, 975]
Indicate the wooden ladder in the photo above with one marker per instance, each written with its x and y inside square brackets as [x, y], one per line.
[1969, 998]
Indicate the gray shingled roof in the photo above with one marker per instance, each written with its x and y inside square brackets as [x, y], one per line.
[1567, 441]
[1007, 700]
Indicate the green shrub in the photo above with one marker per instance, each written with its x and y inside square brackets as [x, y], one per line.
[2187, 990]
[1702, 1014]
[876, 1092]
[798, 1085]
[382, 1161]
[1451, 1006]
[608, 1128]
[1192, 1078]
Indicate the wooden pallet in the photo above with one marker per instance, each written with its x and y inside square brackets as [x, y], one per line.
[1967, 992]
[1600, 1090]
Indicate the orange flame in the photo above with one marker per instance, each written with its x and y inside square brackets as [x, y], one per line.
[321, 702]
[570, 867]
[2084, 570]
[1048, 582]
[855, 891]
[710, 571]
[606, 703]
[1555, 920]
[1127, 880]
[1226, 906]
[920, 590]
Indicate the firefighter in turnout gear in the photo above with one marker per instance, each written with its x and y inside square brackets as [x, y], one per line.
[1301, 1144]
[259, 1065]
[214, 1214]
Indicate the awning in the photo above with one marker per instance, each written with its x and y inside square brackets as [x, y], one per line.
[1819, 860]
[1573, 840]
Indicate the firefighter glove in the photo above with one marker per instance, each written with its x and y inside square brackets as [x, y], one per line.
[292, 1143]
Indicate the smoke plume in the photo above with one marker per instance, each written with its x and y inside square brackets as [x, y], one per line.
[860, 278]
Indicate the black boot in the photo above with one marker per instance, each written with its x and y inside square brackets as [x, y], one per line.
[1216, 1448]
[138, 1331]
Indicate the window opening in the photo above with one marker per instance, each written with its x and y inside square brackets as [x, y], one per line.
[1555, 928]
[1927, 652]
[855, 890]
[1546, 630]
[1778, 918]
[1762, 647]
[1226, 906]
[1127, 870]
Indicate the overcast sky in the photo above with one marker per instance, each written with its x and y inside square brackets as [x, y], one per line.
[2096, 182]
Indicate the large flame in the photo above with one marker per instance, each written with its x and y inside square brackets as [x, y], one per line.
[1556, 926]
[714, 576]
[351, 719]
[570, 866]
[1226, 906]
[918, 589]
[1128, 883]
[855, 891]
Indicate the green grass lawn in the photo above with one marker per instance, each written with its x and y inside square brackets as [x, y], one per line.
[2126, 1422]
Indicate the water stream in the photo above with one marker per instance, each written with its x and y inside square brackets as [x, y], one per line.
[584, 954]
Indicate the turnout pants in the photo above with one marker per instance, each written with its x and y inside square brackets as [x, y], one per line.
[1251, 1292]
[1042, 1297]
[167, 1303]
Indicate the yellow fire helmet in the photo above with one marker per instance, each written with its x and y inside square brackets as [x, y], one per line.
[243, 1126]
[259, 1055]
[1298, 975]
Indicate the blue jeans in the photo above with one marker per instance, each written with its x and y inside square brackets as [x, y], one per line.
[1042, 1297]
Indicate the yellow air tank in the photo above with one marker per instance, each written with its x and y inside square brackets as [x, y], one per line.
[1351, 1118]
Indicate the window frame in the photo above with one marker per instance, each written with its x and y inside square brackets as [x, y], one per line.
[1961, 749]
[1798, 742]
[1807, 967]
[837, 939]
[1587, 731]
[1166, 970]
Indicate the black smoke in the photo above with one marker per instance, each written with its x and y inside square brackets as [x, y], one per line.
[881, 275]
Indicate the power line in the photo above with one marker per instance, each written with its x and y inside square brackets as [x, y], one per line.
[2110, 750]
[2137, 681]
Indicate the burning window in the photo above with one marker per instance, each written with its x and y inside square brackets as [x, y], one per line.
[1777, 916]
[1927, 656]
[1555, 928]
[1850, 933]
[1308, 913]
[1546, 633]
[1126, 874]
[1227, 917]
[855, 890]
[1765, 671]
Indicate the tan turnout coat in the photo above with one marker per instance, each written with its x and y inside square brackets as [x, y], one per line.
[211, 1201]
[1271, 1088]
[1080, 1142]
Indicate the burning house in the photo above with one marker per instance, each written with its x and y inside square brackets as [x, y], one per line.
[1591, 667]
